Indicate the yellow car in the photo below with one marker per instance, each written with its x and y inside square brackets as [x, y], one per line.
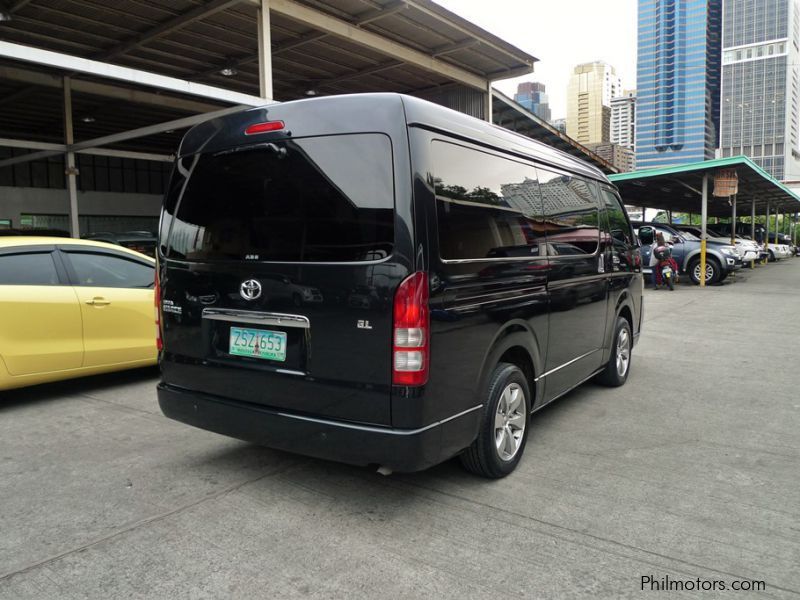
[72, 307]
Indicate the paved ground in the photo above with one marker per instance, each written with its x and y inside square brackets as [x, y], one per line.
[691, 470]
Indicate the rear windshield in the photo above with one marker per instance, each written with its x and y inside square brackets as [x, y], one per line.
[323, 199]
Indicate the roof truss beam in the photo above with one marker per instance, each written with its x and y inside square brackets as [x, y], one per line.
[146, 78]
[428, 11]
[196, 14]
[343, 29]
[307, 38]
[105, 90]
[122, 136]
[62, 148]
[16, 6]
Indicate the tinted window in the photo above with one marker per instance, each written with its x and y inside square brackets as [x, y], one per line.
[570, 212]
[487, 206]
[620, 239]
[104, 270]
[327, 199]
[619, 226]
[28, 269]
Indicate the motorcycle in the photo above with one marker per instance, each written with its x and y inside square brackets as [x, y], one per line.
[667, 268]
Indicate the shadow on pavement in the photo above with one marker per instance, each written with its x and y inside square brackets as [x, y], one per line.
[74, 387]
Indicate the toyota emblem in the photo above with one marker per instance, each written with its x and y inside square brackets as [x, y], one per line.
[250, 289]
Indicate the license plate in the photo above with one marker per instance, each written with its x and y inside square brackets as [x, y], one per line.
[667, 272]
[258, 343]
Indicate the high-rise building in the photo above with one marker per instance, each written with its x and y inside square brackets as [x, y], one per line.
[591, 88]
[621, 157]
[678, 72]
[759, 107]
[533, 96]
[623, 119]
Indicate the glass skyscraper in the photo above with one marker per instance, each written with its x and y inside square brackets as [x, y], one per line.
[760, 83]
[533, 96]
[678, 81]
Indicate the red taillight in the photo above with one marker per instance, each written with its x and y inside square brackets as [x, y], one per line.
[411, 331]
[264, 127]
[157, 304]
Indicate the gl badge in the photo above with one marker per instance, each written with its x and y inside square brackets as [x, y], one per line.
[250, 289]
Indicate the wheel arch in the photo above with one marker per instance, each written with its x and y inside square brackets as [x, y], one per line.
[518, 344]
[625, 309]
[696, 253]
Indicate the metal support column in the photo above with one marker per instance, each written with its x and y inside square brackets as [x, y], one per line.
[264, 51]
[733, 220]
[703, 221]
[766, 235]
[753, 227]
[71, 172]
[669, 216]
[487, 105]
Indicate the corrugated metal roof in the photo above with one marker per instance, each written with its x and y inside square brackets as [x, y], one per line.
[196, 39]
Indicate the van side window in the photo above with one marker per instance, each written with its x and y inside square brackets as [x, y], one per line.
[619, 237]
[571, 213]
[620, 228]
[487, 206]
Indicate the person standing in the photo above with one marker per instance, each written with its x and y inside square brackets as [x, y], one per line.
[653, 264]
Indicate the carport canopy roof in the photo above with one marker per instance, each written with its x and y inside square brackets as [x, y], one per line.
[679, 189]
[317, 47]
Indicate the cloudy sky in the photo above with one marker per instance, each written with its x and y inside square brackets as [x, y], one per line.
[561, 34]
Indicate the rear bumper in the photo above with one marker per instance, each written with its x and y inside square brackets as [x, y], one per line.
[404, 450]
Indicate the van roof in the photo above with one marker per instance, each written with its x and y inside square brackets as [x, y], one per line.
[353, 113]
[424, 113]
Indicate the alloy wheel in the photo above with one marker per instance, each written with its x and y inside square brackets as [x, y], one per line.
[709, 272]
[509, 421]
[623, 352]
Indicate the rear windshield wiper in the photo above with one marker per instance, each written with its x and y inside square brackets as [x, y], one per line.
[279, 151]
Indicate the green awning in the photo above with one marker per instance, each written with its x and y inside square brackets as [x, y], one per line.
[679, 188]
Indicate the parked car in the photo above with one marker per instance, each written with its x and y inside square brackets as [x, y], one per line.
[748, 250]
[721, 258]
[779, 251]
[459, 319]
[779, 246]
[140, 241]
[35, 231]
[70, 308]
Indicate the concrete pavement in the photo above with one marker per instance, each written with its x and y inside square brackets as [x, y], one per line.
[690, 470]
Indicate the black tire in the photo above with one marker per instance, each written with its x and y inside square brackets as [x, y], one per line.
[712, 266]
[483, 457]
[771, 256]
[611, 375]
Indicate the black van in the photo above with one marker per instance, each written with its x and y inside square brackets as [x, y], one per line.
[378, 280]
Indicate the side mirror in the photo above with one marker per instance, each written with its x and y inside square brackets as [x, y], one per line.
[647, 235]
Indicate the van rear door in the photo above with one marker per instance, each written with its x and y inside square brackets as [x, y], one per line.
[279, 275]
